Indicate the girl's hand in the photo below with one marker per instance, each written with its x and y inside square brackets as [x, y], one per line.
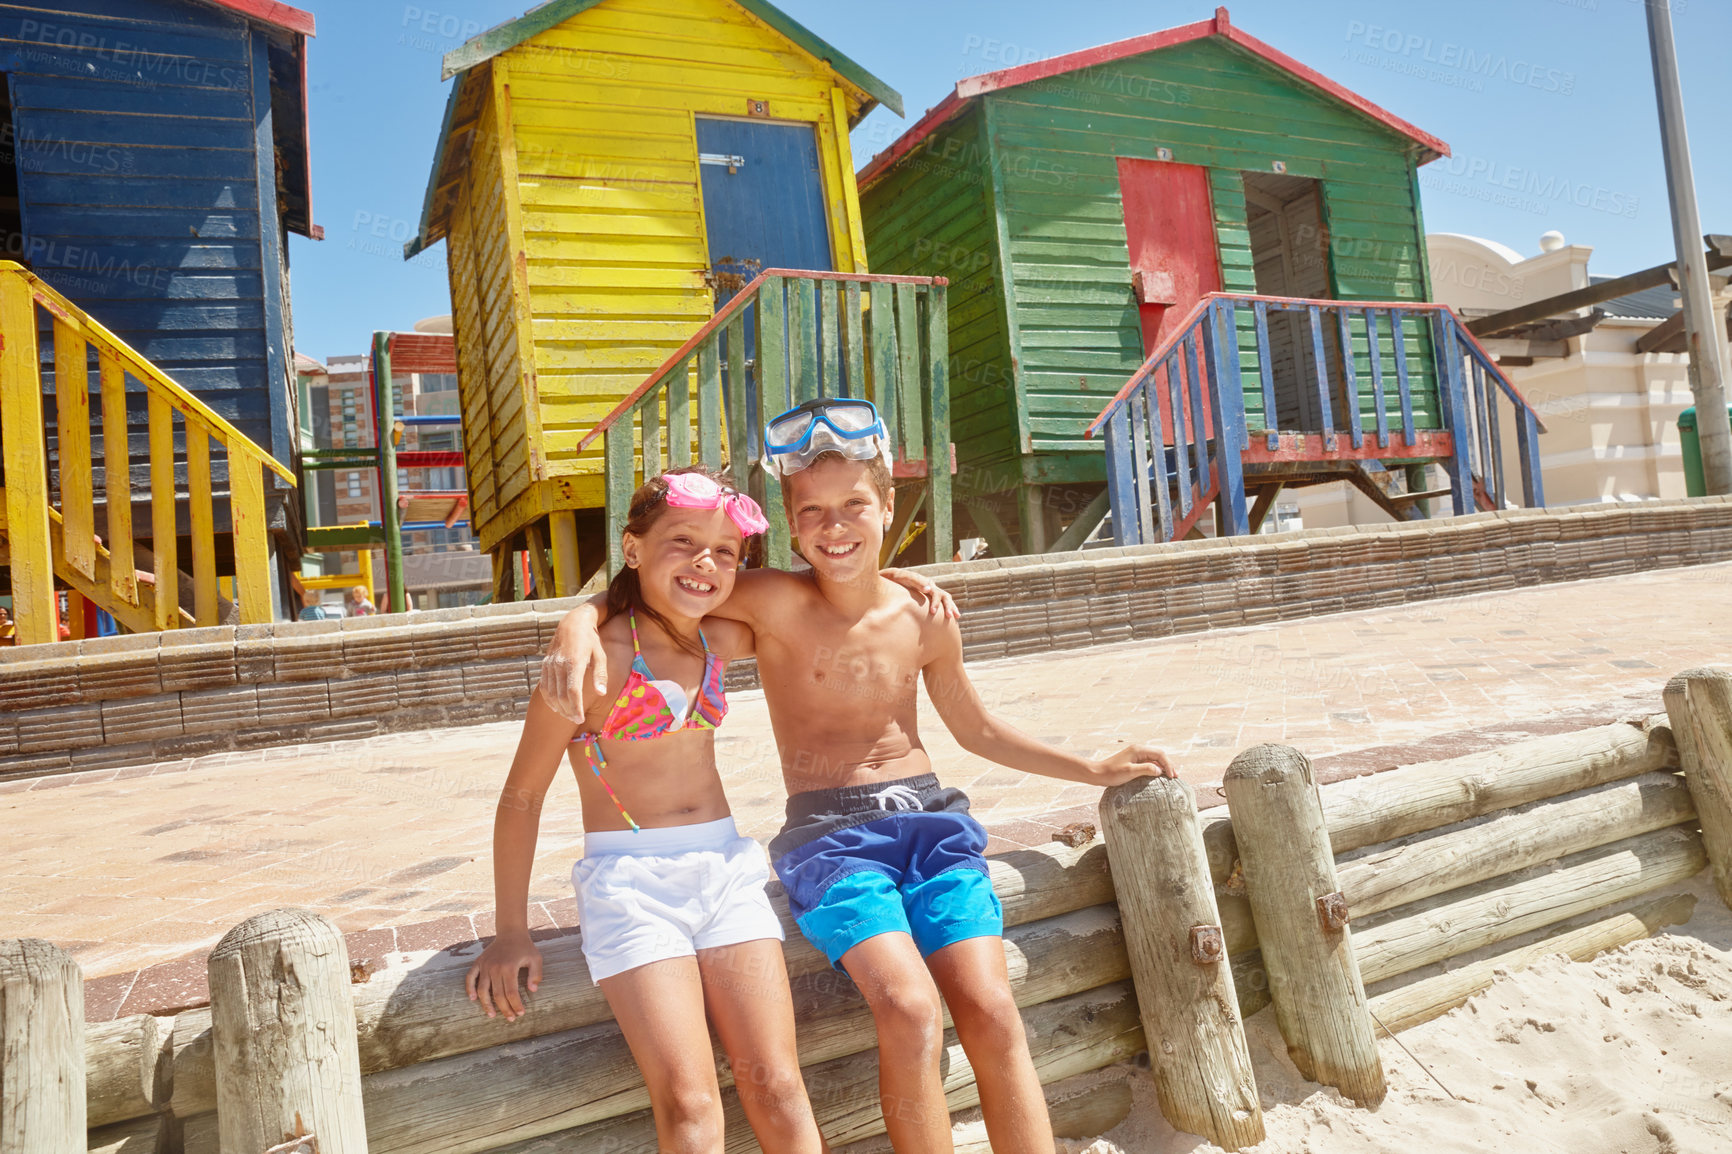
[1132, 762]
[492, 979]
[939, 603]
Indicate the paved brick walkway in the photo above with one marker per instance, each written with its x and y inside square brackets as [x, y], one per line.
[134, 866]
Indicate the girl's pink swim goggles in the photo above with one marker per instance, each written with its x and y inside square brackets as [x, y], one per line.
[696, 491]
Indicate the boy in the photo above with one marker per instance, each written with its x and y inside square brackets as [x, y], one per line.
[882, 864]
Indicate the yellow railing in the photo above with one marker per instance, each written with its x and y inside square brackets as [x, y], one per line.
[345, 580]
[44, 543]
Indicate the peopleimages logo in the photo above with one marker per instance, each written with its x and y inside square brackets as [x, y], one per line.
[1451, 60]
[1528, 189]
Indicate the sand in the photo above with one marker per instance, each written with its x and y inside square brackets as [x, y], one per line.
[1628, 1053]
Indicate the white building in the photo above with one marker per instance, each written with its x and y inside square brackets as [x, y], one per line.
[1610, 408]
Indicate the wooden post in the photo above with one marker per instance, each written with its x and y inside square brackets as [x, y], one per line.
[283, 1024]
[1699, 703]
[384, 429]
[1185, 996]
[562, 528]
[1301, 920]
[41, 1050]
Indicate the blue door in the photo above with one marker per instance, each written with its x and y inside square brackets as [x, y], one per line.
[763, 208]
[763, 199]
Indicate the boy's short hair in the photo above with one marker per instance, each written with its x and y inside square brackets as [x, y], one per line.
[876, 471]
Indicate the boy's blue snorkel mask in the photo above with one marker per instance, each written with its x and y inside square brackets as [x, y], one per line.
[852, 428]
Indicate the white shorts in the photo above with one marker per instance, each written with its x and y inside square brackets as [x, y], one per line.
[651, 894]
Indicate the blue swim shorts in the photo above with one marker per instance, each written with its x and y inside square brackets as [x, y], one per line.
[904, 855]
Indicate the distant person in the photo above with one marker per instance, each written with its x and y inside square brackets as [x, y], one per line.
[358, 604]
[8, 631]
[311, 609]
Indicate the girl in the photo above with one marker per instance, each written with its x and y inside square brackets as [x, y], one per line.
[670, 897]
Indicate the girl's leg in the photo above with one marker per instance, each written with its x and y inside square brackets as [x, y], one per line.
[660, 1009]
[910, 1021]
[746, 989]
[976, 986]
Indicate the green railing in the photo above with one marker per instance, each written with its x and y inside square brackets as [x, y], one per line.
[791, 336]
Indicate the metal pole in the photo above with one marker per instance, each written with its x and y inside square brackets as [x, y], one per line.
[390, 517]
[1712, 426]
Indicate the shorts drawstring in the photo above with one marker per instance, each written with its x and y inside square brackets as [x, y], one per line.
[897, 797]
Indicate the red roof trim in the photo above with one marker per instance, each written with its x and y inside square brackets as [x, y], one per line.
[1281, 60]
[1220, 25]
[1086, 57]
[272, 13]
[936, 115]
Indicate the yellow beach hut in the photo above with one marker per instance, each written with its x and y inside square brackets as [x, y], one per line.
[607, 174]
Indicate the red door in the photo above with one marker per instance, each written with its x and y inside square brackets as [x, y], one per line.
[1170, 230]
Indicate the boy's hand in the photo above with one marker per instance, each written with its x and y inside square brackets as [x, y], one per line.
[575, 662]
[492, 979]
[1132, 762]
[939, 603]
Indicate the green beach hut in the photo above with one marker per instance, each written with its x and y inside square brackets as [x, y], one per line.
[1084, 206]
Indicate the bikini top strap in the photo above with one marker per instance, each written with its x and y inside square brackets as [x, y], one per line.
[704, 641]
[636, 649]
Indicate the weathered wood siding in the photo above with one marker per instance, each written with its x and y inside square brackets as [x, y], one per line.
[1055, 143]
[602, 109]
[932, 216]
[138, 161]
[489, 377]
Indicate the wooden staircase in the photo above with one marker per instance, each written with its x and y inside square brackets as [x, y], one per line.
[809, 334]
[1196, 428]
[51, 503]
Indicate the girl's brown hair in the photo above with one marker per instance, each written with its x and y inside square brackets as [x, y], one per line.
[624, 593]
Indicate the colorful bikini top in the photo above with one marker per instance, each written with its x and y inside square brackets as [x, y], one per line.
[648, 707]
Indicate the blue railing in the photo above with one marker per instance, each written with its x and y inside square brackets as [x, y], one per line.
[1174, 437]
[1474, 388]
[1178, 439]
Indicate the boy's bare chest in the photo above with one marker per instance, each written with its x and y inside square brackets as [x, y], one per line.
[876, 659]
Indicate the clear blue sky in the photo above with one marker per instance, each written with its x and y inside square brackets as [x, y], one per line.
[1566, 102]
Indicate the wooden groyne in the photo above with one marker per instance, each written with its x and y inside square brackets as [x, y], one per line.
[1336, 902]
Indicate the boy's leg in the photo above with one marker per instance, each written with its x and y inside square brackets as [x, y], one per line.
[746, 988]
[976, 986]
[910, 1023]
[660, 1009]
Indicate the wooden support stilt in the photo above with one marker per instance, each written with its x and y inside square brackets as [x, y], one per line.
[1085, 524]
[41, 1050]
[1301, 919]
[1185, 996]
[1416, 483]
[504, 582]
[536, 546]
[988, 525]
[567, 573]
[1032, 511]
[1265, 503]
[283, 1024]
[1699, 703]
